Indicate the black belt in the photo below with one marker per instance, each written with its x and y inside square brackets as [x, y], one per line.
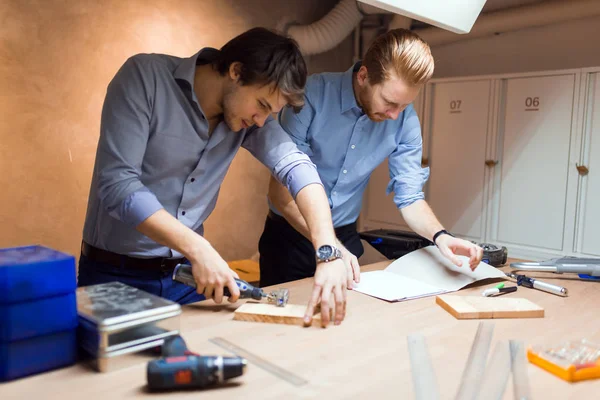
[338, 231]
[161, 264]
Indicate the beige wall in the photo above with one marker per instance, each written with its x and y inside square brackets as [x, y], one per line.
[572, 44]
[56, 59]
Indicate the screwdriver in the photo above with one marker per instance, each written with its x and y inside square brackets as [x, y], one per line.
[183, 273]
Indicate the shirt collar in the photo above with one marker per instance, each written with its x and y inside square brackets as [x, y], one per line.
[348, 99]
[187, 68]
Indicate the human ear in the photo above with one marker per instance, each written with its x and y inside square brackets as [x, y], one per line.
[362, 75]
[235, 71]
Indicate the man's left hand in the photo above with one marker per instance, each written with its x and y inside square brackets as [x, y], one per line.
[451, 246]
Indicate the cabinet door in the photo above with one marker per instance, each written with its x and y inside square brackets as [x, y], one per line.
[531, 183]
[380, 210]
[459, 128]
[589, 215]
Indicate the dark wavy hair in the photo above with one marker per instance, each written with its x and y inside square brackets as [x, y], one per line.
[266, 58]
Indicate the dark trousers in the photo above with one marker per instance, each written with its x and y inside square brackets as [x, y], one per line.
[158, 283]
[286, 255]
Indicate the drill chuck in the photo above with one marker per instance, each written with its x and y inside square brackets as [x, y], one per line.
[193, 371]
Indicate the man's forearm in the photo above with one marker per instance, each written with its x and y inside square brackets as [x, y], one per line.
[309, 214]
[283, 201]
[165, 229]
[314, 206]
[421, 219]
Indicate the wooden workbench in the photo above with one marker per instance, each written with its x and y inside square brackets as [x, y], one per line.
[364, 357]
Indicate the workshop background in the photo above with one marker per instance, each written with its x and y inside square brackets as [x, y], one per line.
[57, 57]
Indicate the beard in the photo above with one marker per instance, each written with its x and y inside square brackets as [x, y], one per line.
[364, 98]
[229, 116]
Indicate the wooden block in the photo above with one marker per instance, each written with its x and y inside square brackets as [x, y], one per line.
[291, 314]
[475, 307]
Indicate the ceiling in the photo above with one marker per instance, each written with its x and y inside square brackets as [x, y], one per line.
[490, 6]
[495, 5]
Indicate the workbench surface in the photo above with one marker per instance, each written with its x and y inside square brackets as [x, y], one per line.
[364, 357]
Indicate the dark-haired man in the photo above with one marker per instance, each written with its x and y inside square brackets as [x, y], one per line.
[170, 129]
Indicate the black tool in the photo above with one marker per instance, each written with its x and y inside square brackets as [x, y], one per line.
[183, 273]
[180, 368]
[192, 371]
[175, 346]
[493, 255]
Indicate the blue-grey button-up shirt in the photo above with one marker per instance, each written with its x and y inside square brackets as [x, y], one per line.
[347, 146]
[155, 152]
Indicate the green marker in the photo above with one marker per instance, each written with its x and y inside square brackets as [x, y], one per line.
[499, 286]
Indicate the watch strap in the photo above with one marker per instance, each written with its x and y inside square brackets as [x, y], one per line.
[440, 233]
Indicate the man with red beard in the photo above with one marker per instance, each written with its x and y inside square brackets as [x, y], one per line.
[351, 122]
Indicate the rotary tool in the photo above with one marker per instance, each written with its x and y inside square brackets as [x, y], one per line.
[183, 273]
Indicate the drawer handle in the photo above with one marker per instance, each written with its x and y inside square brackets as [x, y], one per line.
[491, 163]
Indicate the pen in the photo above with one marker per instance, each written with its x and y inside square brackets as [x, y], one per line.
[523, 280]
[498, 289]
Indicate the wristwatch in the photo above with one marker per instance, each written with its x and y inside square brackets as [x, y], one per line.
[328, 253]
[439, 233]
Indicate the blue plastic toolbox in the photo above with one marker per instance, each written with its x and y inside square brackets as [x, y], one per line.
[38, 310]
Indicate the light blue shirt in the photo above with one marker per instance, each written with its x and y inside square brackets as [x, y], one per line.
[155, 152]
[346, 146]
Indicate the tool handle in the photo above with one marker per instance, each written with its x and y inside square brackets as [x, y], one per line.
[183, 274]
[550, 288]
[592, 270]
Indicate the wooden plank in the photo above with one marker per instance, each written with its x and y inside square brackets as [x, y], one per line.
[475, 307]
[291, 314]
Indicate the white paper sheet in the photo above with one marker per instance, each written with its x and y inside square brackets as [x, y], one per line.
[424, 272]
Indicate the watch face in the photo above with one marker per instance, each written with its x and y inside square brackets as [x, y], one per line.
[325, 252]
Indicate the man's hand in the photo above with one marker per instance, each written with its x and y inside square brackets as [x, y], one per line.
[212, 274]
[450, 247]
[330, 278]
[352, 266]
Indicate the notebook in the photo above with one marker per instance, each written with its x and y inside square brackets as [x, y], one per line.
[421, 273]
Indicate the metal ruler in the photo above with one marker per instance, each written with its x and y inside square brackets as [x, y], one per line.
[496, 373]
[259, 362]
[519, 371]
[424, 381]
[472, 374]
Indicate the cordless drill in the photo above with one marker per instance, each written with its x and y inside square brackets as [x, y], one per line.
[183, 273]
[180, 368]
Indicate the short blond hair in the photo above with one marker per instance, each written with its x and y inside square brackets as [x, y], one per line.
[402, 52]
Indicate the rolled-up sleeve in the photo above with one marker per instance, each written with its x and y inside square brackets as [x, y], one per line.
[407, 177]
[124, 134]
[273, 147]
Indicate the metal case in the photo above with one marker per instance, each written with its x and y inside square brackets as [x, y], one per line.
[117, 322]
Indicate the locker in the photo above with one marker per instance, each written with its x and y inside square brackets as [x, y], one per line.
[534, 143]
[589, 211]
[460, 115]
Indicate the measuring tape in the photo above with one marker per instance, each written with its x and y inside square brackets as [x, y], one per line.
[259, 362]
